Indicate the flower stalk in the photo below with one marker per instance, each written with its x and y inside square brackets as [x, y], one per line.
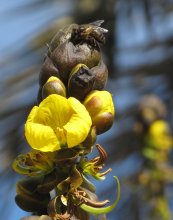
[62, 129]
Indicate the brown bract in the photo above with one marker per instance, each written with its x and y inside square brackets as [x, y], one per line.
[48, 69]
[100, 73]
[67, 55]
[83, 80]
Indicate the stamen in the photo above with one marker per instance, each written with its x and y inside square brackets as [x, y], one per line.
[103, 155]
[106, 172]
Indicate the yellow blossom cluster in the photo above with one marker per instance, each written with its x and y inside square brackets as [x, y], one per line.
[72, 110]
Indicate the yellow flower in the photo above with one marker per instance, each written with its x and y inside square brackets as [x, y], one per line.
[101, 109]
[56, 123]
[159, 135]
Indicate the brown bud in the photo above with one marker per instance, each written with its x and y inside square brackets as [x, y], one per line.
[83, 80]
[48, 69]
[53, 86]
[150, 109]
[80, 82]
[100, 73]
[103, 122]
[67, 55]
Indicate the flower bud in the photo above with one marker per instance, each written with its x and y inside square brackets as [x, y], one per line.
[101, 109]
[80, 82]
[150, 109]
[100, 73]
[48, 69]
[83, 80]
[159, 135]
[67, 55]
[53, 86]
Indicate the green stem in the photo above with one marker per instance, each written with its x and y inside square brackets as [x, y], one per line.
[103, 210]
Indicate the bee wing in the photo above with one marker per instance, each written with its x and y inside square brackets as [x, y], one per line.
[97, 23]
[102, 30]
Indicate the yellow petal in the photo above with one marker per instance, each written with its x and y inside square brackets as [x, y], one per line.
[54, 111]
[79, 124]
[41, 127]
[39, 136]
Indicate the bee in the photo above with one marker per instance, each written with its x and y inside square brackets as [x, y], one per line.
[90, 33]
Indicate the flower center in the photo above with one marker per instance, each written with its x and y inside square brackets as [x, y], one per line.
[61, 135]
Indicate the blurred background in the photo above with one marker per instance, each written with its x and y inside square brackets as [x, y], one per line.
[139, 56]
